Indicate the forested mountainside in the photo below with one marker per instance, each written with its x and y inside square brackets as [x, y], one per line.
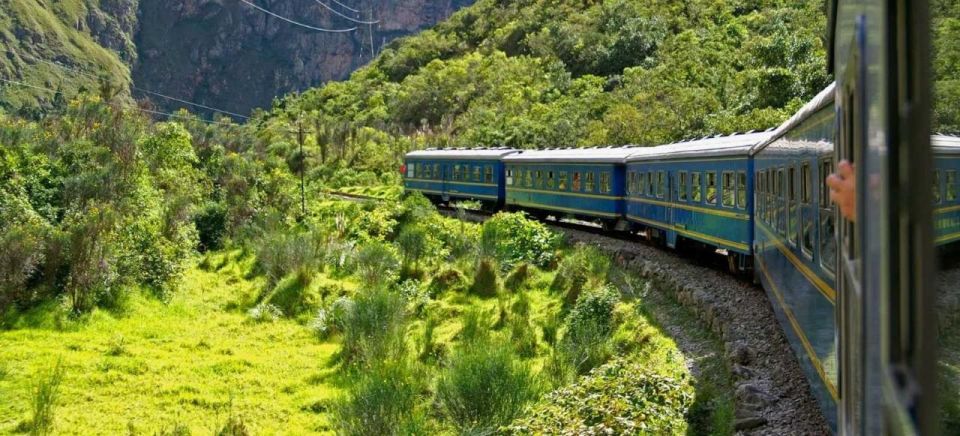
[223, 54]
[544, 73]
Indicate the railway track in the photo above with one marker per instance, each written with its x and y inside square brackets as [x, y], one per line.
[772, 396]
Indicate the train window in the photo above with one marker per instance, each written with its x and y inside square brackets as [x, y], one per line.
[711, 187]
[588, 186]
[476, 173]
[951, 185]
[661, 184]
[729, 189]
[792, 204]
[562, 181]
[781, 203]
[936, 187]
[576, 181]
[605, 182]
[695, 187]
[682, 186]
[768, 201]
[828, 241]
[436, 171]
[806, 221]
[538, 179]
[757, 193]
[641, 183]
[528, 178]
[650, 184]
[742, 190]
[456, 172]
[510, 177]
[488, 174]
[411, 170]
[550, 183]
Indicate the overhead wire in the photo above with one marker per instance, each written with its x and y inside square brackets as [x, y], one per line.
[297, 23]
[147, 91]
[346, 7]
[344, 16]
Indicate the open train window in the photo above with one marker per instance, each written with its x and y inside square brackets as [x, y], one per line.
[792, 204]
[528, 178]
[951, 185]
[806, 221]
[538, 178]
[729, 189]
[711, 187]
[550, 181]
[936, 187]
[742, 190]
[661, 184]
[588, 186]
[828, 241]
[576, 181]
[696, 187]
[650, 185]
[605, 182]
[488, 174]
[562, 181]
[682, 186]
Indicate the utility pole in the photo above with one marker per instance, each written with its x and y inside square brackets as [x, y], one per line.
[303, 192]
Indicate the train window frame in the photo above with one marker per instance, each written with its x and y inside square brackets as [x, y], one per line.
[742, 190]
[605, 183]
[768, 200]
[806, 222]
[711, 182]
[696, 186]
[551, 182]
[757, 193]
[781, 202]
[790, 206]
[528, 178]
[477, 173]
[509, 174]
[661, 183]
[937, 188]
[575, 183]
[588, 184]
[488, 173]
[641, 183]
[682, 186]
[728, 176]
[950, 184]
[826, 212]
[437, 175]
[631, 180]
[562, 180]
[650, 185]
[538, 179]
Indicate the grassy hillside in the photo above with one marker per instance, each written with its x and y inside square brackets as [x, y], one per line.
[70, 32]
[538, 73]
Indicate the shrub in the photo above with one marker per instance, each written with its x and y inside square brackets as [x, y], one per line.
[374, 327]
[264, 312]
[415, 295]
[447, 280]
[211, 224]
[620, 397]
[377, 264]
[280, 253]
[46, 392]
[485, 279]
[586, 341]
[511, 238]
[485, 386]
[518, 277]
[22, 252]
[293, 295]
[381, 400]
[594, 309]
[586, 266]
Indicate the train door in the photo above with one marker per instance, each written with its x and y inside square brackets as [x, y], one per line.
[880, 59]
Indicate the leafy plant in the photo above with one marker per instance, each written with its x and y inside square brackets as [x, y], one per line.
[46, 393]
[381, 399]
[264, 312]
[512, 238]
[373, 328]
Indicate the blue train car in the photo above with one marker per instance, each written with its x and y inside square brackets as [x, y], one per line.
[583, 183]
[445, 175]
[795, 250]
[697, 191]
[946, 198]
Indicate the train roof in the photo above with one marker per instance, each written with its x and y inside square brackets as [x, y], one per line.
[462, 153]
[945, 144]
[822, 99]
[732, 145]
[574, 155]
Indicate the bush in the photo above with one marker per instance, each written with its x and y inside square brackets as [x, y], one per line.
[282, 252]
[485, 386]
[381, 400]
[447, 280]
[374, 327]
[377, 264]
[594, 309]
[22, 252]
[586, 266]
[485, 279]
[620, 397]
[293, 295]
[46, 392]
[511, 238]
[518, 277]
[586, 341]
[264, 312]
[211, 224]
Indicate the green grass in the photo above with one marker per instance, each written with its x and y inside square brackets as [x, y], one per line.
[195, 361]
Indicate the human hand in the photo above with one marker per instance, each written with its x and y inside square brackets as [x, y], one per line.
[843, 189]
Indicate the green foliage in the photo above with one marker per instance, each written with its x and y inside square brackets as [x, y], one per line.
[586, 340]
[283, 252]
[373, 326]
[294, 295]
[621, 397]
[485, 281]
[377, 264]
[381, 400]
[512, 238]
[46, 393]
[586, 266]
[234, 426]
[517, 278]
[485, 386]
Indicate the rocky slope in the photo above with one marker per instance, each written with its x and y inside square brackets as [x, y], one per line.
[229, 55]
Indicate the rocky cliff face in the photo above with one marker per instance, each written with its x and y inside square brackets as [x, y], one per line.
[227, 54]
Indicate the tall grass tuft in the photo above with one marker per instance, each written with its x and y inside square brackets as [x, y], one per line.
[484, 387]
[373, 327]
[586, 342]
[473, 328]
[377, 264]
[381, 400]
[293, 295]
[234, 426]
[485, 279]
[45, 394]
[517, 278]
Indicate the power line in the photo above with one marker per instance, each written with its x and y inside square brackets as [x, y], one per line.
[344, 16]
[346, 7]
[84, 73]
[319, 29]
